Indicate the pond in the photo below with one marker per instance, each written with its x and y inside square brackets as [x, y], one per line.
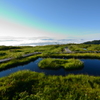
[84, 49]
[91, 67]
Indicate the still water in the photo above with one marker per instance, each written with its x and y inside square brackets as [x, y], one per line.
[91, 67]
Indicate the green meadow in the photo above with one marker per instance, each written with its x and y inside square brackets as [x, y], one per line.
[55, 51]
[48, 50]
[28, 85]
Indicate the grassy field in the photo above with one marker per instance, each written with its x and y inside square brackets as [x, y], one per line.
[74, 55]
[16, 52]
[68, 64]
[85, 47]
[28, 85]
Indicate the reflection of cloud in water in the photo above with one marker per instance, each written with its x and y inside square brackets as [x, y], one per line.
[37, 41]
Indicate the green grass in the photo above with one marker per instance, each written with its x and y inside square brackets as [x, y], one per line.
[88, 47]
[48, 50]
[28, 85]
[16, 62]
[73, 64]
[56, 51]
[68, 64]
[18, 51]
[74, 55]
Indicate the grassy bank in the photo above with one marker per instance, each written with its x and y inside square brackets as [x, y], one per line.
[56, 51]
[18, 51]
[49, 50]
[68, 64]
[28, 85]
[73, 55]
[16, 62]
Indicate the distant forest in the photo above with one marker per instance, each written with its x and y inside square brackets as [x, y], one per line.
[92, 42]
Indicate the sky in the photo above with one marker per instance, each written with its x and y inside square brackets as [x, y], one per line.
[64, 19]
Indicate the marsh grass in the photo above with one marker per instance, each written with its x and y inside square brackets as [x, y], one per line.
[49, 50]
[76, 55]
[54, 51]
[73, 64]
[28, 85]
[88, 47]
[68, 64]
[17, 61]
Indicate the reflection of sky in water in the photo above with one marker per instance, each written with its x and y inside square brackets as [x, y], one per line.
[91, 67]
[84, 49]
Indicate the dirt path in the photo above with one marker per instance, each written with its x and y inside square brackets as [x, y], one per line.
[67, 50]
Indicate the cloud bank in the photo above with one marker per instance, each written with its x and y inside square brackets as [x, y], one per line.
[35, 41]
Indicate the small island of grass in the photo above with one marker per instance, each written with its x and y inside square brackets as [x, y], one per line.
[68, 64]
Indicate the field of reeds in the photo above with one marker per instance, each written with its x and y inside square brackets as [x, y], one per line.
[68, 64]
[28, 85]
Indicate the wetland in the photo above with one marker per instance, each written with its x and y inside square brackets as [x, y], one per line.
[23, 79]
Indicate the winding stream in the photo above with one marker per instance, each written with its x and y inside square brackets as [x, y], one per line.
[91, 67]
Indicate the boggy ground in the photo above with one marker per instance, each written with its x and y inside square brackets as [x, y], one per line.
[16, 52]
[68, 64]
[28, 85]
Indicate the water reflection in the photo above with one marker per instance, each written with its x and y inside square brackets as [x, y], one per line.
[91, 67]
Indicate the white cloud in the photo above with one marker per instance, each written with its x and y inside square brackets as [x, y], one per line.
[19, 41]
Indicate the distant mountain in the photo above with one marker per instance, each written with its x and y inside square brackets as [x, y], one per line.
[92, 42]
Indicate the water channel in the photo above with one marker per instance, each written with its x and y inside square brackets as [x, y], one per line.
[91, 67]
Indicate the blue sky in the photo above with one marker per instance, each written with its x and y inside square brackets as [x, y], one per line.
[56, 18]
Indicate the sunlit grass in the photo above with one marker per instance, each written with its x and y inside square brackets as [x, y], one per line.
[68, 64]
[28, 85]
[16, 52]
[16, 62]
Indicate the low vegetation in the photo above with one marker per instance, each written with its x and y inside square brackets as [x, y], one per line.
[92, 42]
[73, 55]
[85, 47]
[16, 62]
[28, 85]
[68, 64]
[16, 52]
